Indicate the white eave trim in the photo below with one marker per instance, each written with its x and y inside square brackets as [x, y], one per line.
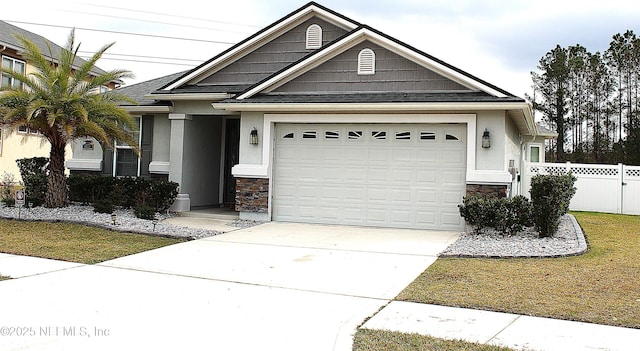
[148, 109]
[381, 107]
[76, 164]
[275, 29]
[190, 96]
[356, 38]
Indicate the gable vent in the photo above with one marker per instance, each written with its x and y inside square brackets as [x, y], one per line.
[314, 37]
[366, 62]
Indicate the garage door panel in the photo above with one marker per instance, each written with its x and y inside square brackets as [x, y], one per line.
[377, 175]
[452, 197]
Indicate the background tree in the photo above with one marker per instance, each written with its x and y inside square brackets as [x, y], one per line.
[553, 84]
[592, 100]
[60, 101]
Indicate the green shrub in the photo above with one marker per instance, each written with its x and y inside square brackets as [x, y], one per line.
[144, 212]
[7, 186]
[34, 175]
[506, 215]
[551, 196]
[103, 206]
[162, 194]
[10, 202]
[124, 192]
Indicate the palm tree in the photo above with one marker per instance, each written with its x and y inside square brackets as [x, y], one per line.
[59, 100]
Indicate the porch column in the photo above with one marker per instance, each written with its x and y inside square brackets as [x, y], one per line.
[176, 157]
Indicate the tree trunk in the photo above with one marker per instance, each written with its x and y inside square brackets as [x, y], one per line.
[56, 195]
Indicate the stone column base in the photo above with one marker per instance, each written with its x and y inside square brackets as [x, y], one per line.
[252, 195]
[489, 190]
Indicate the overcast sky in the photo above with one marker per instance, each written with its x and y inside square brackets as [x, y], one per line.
[500, 41]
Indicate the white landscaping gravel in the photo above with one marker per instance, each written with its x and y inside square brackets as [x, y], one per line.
[126, 221]
[569, 240]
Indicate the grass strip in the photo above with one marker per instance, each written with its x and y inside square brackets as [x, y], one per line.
[375, 340]
[73, 242]
[601, 286]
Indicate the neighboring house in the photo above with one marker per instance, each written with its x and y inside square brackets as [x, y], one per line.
[23, 143]
[318, 118]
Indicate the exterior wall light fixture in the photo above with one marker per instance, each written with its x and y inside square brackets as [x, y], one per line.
[253, 137]
[486, 139]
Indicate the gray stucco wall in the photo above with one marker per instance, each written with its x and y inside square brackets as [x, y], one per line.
[275, 55]
[512, 143]
[201, 160]
[161, 138]
[493, 158]
[251, 154]
[392, 73]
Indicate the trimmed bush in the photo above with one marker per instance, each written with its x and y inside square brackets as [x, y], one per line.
[34, 175]
[551, 196]
[144, 212]
[103, 206]
[506, 215]
[123, 192]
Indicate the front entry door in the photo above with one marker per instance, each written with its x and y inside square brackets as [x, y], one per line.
[231, 157]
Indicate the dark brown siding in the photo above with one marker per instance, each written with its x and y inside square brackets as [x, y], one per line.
[393, 73]
[275, 55]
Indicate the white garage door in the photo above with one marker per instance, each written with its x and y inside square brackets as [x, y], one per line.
[386, 175]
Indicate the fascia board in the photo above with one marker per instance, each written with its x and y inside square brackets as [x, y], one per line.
[360, 107]
[354, 39]
[148, 109]
[191, 96]
[307, 12]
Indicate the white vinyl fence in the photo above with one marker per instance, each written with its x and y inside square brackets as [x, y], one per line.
[600, 188]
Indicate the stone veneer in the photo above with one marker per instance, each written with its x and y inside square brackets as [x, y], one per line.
[487, 190]
[252, 195]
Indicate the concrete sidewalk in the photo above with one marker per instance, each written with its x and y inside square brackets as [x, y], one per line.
[502, 329]
[314, 284]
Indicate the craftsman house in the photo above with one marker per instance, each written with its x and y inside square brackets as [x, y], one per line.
[318, 118]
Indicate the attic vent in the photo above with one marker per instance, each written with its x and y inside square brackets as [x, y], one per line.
[314, 37]
[366, 62]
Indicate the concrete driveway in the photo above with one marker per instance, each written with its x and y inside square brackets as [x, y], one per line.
[277, 286]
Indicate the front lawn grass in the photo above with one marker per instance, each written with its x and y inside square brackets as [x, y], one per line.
[73, 242]
[601, 286]
[375, 340]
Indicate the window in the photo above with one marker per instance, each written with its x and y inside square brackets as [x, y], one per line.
[1, 141]
[427, 136]
[310, 134]
[378, 135]
[534, 153]
[332, 134]
[314, 37]
[125, 161]
[366, 62]
[288, 136]
[355, 134]
[15, 65]
[451, 137]
[403, 135]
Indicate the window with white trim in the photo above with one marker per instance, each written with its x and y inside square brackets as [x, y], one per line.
[534, 152]
[15, 65]
[366, 62]
[126, 162]
[314, 37]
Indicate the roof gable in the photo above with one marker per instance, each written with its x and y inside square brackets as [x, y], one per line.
[273, 56]
[393, 73]
[367, 34]
[261, 38]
